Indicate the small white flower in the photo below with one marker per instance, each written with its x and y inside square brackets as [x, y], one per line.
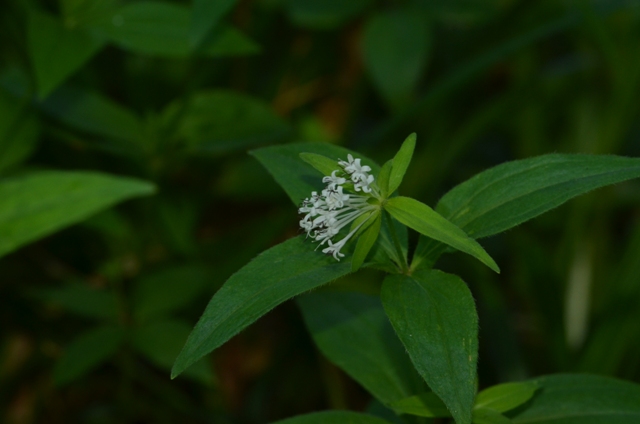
[332, 210]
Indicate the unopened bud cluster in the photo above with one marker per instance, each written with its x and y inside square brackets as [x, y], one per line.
[331, 210]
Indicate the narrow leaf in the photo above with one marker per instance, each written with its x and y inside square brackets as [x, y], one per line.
[422, 405]
[401, 162]
[19, 130]
[365, 242]
[37, 204]
[87, 352]
[82, 300]
[322, 163]
[507, 396]
[426, 221]
[353, 332]
[514, 192]
[434, 315]
[383, 178]
[274, 276]
[334, 417]
[56, 51]
[582, 399]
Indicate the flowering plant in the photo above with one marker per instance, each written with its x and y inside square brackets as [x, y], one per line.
[415, 346]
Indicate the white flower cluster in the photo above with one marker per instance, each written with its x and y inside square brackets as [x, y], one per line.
[331, 210]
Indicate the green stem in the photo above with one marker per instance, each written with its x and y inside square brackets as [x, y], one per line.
[396, 243]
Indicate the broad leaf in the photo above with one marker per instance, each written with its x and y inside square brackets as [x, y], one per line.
[37, 204]
[276, 275]
[205, 15]
[82, 300]
[395, 48]
[168, 290]
[507, 396]
[321, 163]
[220, 121]
[434, 315]
[422, 405]
[366, 240]
[352, 330]
[426, 221]
[87, 352]
[514, 192]
[582, 399]
[161, 341]
[401, 162]
[333, 417]
[489, 416]
[162, 28]
[57, 51]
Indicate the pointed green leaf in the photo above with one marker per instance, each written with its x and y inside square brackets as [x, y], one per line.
[353, 332]
[276, 275]
[57, 51]
[514, 192]
[383, 178]
[206, 14]
[428, 222]
[435, 317]
[489, 416]
[507, 396]
[35, 205]
[333, 417]
[401, 162]
[87, 352]
[322, 163]
[366, 240]
[582, 399]
[423, 405]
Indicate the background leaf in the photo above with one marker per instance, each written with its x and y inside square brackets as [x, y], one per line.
[274, 276]
[205, 16]
[87, 352]
[434, 316]
[582, 399]
[324, 14]
[504, 397]
[338, 417]
[82, 300]
[36, 204]
[19, 130]
[422, 405]
[352, 330]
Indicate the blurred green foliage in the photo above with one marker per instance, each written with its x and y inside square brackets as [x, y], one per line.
[118, 97]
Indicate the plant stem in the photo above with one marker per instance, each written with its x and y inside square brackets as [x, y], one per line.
[396, 243]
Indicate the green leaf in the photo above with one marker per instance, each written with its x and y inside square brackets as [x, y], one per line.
[87, 352]
[383, 178]
[56, 51]
[160, 342]
[582, 399]
[82, 300]
[92, 113]
[423, 405]
[401, 162]
[434, 315]
[295, 176]
[426, 221]
[333, 417]
[205, 16]
[324, 14]
[507, 396]
[395, 48]
[37, 204]
[489, 416]
[322, 163]
[366, 240]
[274, 276]
[352, 330]
[514, 192]
[19, 130]
[168, 290]
[162, 29]
[221, 121]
